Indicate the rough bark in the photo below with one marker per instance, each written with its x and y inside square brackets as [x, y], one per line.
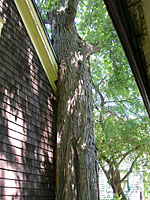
[77, 167]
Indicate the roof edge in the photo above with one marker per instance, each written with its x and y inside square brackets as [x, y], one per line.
[129, 49]
[39, 39]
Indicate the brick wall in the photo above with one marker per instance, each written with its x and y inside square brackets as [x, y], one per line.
[27, 116]
[139, 12]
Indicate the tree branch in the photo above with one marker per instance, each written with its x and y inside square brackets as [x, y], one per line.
[124, 156]
[71, 10]
[98, 91]
[102, 80]
[91, 49]
[112, 113]
[104, 170]
[130, 170]
[48, 19]
[124, 100]
[127, 153]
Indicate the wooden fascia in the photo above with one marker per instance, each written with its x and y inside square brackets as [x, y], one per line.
[2, 22]
[39, 39]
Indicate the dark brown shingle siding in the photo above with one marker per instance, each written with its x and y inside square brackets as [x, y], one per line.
[27, 116]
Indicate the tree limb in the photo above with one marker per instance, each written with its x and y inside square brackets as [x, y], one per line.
[71, 10]
[115, 114]
[127, 153]
[104, 170]
[124, 100]
[102, 80]
[91, 49]
[124, 156]
[98, 91]
[48, 19]
[130, 170]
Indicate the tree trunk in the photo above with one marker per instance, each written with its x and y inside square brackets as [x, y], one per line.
[77, 167]
[116, 185]
[119, 192]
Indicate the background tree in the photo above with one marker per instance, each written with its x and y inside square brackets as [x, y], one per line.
[121, 122]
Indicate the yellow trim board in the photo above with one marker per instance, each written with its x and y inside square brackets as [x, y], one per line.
[39, 39]
[2, 22]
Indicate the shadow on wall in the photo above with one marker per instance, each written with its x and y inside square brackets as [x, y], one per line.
[27, 116]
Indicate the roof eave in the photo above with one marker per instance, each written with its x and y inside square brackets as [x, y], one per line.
[39, 39]
[128, 40]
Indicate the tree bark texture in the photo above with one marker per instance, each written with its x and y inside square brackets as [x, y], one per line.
[77, 167]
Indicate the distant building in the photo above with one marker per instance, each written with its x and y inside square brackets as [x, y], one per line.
[133, 186]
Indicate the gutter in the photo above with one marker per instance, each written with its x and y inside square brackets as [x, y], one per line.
[46, 33]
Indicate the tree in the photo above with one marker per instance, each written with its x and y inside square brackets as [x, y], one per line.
[121, 123]
[121, 126]
[77, 167]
